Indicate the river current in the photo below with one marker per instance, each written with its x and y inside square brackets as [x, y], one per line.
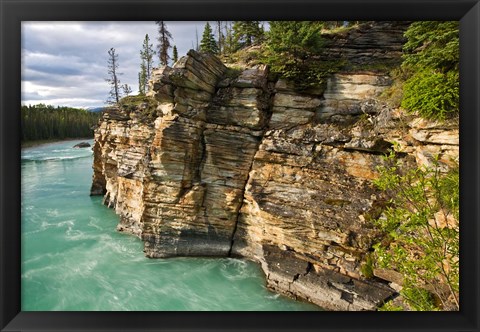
[74, 259]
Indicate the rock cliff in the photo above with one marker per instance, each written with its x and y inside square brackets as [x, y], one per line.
[220, 162]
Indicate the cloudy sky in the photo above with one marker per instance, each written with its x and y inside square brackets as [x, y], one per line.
[65, 63]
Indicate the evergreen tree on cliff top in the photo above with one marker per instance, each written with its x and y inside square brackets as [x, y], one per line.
[208, 43]
[127, 90]
[175, 54]
[146, 56]
[164, 37]
[113, 79]
[229, 45]
[295, 39]
[290, 51]
[247, 33]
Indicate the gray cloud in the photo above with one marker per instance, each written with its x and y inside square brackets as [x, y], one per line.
[65, 63]
[31, 96]
[54, 70]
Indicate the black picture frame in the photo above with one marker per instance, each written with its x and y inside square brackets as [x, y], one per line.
[13, 12]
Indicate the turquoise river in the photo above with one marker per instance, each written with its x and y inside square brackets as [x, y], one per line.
[73, 259]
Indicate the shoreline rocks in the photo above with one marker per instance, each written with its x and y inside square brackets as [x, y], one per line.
[82, 145]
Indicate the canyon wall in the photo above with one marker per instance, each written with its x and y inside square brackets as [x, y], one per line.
[218, 161]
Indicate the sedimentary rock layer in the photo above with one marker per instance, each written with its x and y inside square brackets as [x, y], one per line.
[178, 181]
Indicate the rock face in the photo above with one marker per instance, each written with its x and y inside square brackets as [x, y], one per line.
[178, 181]
[371, 44]
[82, 145]
[215, 164]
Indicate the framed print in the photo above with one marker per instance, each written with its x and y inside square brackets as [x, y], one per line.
[239, 165]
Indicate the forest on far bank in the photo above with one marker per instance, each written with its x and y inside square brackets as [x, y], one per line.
[44, 122]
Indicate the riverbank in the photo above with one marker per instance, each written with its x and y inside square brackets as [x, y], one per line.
[30, 144]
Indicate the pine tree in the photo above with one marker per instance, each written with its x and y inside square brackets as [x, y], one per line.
[290, 51]
[175, 54]
[297, 38]
[208, 43]
[163, 42]
[127, 90]
[113, 77]
[247, 33]
[229, 45]
[146, 55]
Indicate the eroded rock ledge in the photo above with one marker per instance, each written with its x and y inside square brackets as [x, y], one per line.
[215, 164]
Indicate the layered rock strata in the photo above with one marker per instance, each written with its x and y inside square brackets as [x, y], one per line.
[372, 45]
[219, 163]
[178, 180]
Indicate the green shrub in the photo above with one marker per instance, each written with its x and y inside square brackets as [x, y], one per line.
[304, 74]
[421, 225]
[389, 306]
[431, 57]
[419, 299]
[367, 267]
[144, 107]
[432, 94]
[135, 100]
